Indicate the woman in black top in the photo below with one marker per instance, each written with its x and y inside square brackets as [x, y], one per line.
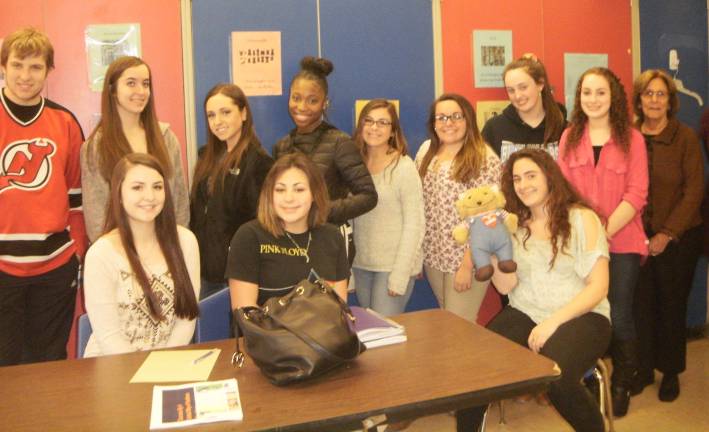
[270, 255]
[533, 118]
[227, 180]
[349, 184]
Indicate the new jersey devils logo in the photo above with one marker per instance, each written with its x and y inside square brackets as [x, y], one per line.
[26, 164]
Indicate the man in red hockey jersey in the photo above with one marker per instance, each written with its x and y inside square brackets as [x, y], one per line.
[41, 224]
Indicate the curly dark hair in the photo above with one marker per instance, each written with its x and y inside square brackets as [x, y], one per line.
[619, 119]
[561, 198]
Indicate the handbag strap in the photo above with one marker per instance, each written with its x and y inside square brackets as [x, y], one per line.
[312, 343]
[237, 359]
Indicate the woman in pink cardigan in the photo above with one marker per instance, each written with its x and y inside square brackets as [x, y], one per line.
[606, 160]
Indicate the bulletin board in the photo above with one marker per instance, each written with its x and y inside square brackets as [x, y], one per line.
[547, 28]
[379, 49]
[65, 21]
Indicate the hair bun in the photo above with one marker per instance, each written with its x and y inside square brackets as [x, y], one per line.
[317, 65]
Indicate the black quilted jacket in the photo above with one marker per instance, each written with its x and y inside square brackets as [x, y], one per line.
[349, 184]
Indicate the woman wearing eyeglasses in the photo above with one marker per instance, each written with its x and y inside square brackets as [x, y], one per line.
[606, 161]
[388, 238]
[673, 224]
[454, 160]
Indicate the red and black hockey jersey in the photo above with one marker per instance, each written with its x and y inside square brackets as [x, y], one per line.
[41, 223]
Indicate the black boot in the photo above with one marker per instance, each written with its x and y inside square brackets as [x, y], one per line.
[625, 364]
[642, 380]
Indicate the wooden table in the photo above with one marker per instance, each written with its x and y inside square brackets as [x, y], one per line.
[447, 363]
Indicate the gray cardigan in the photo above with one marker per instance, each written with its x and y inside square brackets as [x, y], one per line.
[389, 237]
[95, 190]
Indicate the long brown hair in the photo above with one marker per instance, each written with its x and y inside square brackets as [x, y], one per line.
[320, 208]
[112, 144]
[166, 233]
[618, 115]
[562, 196]
[213, 165]
[471, 158]
[554, 121]
[397, 141]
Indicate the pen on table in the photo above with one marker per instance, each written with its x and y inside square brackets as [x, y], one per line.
[203, 356]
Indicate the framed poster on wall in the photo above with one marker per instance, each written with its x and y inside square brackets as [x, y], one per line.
[256, 62]
[492, 50]
[104, 44]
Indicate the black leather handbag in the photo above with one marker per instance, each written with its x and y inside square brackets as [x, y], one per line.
[298, 336]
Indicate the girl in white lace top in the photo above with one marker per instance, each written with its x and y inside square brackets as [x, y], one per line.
[142, 277]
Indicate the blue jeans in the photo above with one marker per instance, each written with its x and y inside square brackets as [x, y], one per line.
[624, 271]
[373, 292]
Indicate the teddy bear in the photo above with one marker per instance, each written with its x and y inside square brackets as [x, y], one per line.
[488, 229]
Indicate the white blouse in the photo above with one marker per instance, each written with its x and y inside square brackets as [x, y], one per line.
[540, 292]
[116, 305]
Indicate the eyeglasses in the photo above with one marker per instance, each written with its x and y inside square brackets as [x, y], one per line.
[455, 117]
[368, 121]
[648, 94]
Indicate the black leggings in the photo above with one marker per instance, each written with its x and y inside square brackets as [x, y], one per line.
[575, 347]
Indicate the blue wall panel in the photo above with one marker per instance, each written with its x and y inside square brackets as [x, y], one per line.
[379, 49]
[212, 24]
[679, 25]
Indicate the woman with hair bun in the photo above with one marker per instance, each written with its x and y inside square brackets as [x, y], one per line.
[349, 184]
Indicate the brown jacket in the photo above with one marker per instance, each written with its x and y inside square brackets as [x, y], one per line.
[676, 180]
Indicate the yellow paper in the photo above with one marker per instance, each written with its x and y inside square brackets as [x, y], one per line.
[489, 109]
[176, 366]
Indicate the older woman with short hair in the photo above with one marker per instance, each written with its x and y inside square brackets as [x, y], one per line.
[673, 226]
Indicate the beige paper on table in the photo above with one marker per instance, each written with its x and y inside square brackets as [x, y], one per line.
[256, 62]
[176, 366]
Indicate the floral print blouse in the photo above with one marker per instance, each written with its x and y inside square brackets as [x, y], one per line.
[440, 191]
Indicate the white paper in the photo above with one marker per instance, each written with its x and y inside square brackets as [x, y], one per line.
[256, 62]
[195, 403]
[492, 50]
[104, 44]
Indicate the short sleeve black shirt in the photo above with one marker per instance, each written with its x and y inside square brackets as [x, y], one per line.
[276, 264]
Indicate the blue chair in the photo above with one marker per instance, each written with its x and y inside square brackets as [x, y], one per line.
[82, 335]
[214, 322]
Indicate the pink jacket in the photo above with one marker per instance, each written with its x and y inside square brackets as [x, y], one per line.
[616, 178]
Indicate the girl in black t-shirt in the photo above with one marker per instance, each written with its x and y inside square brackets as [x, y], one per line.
[270, 255]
